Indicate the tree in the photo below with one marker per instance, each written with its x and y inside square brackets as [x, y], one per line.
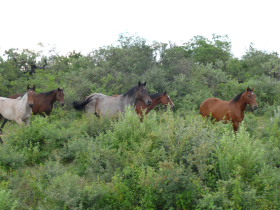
[207, 51]
[26, 60]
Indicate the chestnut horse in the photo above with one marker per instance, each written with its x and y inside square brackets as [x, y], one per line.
[232, 110]
[19, 110]
[111, 106]
[158, 98]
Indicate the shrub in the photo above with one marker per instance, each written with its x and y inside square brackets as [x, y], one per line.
[7, 201]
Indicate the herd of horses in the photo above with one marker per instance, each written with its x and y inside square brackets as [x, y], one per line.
[20, 107]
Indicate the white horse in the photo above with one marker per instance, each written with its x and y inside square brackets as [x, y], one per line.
[112, 106]
[19, 110]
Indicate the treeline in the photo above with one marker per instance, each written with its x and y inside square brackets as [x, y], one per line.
[190, 73]
[172, 160]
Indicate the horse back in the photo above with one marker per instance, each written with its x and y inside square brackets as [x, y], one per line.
[216, 108]
[8, 108]
[15, 96]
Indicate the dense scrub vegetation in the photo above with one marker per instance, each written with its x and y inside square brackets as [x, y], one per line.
[172, 160]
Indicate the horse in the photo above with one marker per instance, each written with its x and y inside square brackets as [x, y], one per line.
[43, 102]
[229, 111]
[111, 106]
[157, 98]
[19, 110]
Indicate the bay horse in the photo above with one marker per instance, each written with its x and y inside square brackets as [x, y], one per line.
[19, 110]
[111, 106]
[232, 110]
[43, 102]
[158, 98]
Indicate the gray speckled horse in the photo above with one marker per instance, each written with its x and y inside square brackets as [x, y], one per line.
[111, 106]
[19, 110]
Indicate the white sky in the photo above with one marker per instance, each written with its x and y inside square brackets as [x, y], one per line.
[83, 25]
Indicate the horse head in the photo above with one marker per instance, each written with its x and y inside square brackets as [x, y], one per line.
[166, 100]
[60, 96]
[30, 93]
[251, 98]
[142, 94]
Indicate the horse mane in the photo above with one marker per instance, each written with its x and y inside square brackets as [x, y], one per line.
[237, 98]
[130, 92]
[156, 95]
[49, 93]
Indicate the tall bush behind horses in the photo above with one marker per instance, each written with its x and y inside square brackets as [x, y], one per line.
[111, 106]
[232, 110]
[19, 110]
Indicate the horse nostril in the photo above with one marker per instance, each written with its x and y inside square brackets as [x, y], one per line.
[31, 105]
[149, 102]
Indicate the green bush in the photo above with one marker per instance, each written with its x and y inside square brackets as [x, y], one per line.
[7, 201]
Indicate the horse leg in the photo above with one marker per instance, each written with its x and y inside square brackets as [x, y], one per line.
[3, 124]
[235, 126]
[42, 114]
[96, 114]
[19, 121]
[27, 121]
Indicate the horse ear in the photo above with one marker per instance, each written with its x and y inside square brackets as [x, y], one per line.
[164, 92]
[33, 87]
[248, 89]
[145, 83]
[139, 83]
[28, 87]
[253, 89]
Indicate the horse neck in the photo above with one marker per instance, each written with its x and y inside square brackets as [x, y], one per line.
[52, 97]
[24, 101]
[128, 101]
[241, 103]
[155, 101]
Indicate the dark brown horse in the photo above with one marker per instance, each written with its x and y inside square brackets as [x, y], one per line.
[158, 98]
[43, 102]
[232, 110]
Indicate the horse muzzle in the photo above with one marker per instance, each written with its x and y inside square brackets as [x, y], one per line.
[254, 107]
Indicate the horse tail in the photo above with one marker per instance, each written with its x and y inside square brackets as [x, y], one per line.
[81, 105]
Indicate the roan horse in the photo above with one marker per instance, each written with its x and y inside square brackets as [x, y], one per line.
[111, 106]
[20, 109]
[232, 110]
[158, 98]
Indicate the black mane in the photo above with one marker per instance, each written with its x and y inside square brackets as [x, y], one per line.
[237, 98]
[156, 95]
[131, 91]
[49, 93]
